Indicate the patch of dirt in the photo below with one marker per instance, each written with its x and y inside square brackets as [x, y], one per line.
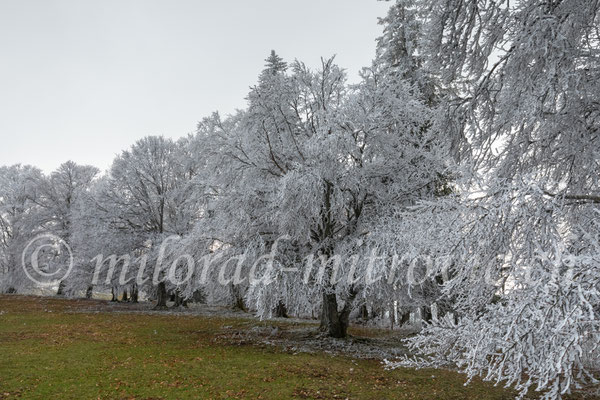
[294, 337]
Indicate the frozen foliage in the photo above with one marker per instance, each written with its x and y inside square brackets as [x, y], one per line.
[318, 164]
[147, 197]
[466, 160]
[524, 240]
[523, 281]
[18, 196]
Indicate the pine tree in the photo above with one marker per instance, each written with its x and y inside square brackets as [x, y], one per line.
[275, 64]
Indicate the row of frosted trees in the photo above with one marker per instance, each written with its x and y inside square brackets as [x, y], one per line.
[467, 159]
[312, 159]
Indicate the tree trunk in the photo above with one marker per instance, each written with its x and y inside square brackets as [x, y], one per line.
[114, 296]
[426, 314]
[161, 296]
[61, 289]
[280, 310]
[404, 318]
[363, 313]
[330, 317]
[238, 299]
[198, 297]
[333, 322]
[89, 292]
[125, 296]
[239, 304]
[134, 293]
[375, 312]
[179, 301]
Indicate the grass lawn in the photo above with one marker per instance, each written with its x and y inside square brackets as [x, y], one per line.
[52, 348]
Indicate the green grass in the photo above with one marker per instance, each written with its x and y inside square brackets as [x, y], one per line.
[84, 355]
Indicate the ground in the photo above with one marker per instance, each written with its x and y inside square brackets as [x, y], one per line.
[88, 349]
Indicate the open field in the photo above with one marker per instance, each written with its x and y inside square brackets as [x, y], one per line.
[76, 349]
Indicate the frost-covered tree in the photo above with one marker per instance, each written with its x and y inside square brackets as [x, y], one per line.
[244, 155]
[57, 195]
[524, 243]
[18, 222]
[318, 163]
[390, 86]
[398, 52]
[96, 232]
[146, 198]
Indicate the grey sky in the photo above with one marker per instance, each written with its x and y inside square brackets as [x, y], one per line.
[82, 79]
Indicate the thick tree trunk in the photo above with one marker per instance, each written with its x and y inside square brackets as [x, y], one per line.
[61, 289]
[114, 294]
[89, 292]
[280, 310]
[161, 296]
[333, 322]
[330, 317]
[125, 296]
[134, 294]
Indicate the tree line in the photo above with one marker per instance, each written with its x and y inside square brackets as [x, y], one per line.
[472, 137]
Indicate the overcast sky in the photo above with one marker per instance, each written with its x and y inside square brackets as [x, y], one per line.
[84, 79]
